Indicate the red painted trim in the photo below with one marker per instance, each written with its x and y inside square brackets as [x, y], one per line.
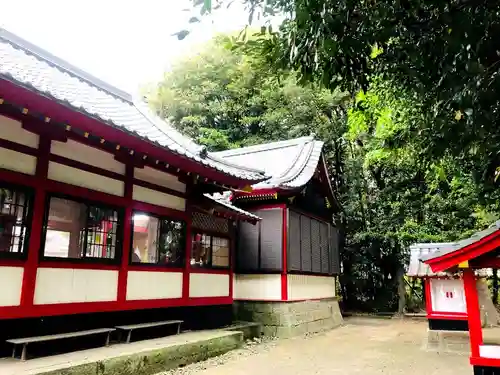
[159, 210]
[473, 312]
[280, 300]
[127, 235]
[256, 192]
[30, 269]
[4, 143]
[66, 114]
[487, 362]
[39, 127]
[86, 167]
[12, 262]
[284, 277]
[162, 189]
[433, 314]
[153, 268]
[90, 307]
[217, 271]
[66, 263]
[187, 254]
[474, 250]
[428, 299]
[446, 316]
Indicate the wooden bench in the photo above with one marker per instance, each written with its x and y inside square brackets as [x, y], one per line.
[131, 327]
[28, 340]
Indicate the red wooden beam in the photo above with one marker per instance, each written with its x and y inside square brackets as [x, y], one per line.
[65, 114]
[473, 312]
[474, 250]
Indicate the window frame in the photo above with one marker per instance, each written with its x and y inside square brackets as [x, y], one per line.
[116, 260]
[30, 195]
[212, 234]
[160, 218]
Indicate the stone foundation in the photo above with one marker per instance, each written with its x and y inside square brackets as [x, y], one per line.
[448, 341]
[287, 319]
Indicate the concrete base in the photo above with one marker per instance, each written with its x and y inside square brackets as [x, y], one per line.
[287, 319]
[138, 358]
[448, 341]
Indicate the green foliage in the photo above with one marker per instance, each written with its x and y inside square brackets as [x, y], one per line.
[444, 54]
[391, 193]
[223, 98]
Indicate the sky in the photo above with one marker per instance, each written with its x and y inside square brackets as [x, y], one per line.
[126, 43]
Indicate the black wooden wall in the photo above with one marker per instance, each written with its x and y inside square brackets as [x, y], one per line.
[259, 246]
[313, 245]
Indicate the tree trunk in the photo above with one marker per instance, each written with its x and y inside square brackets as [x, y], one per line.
[401, 291]
[495, 287]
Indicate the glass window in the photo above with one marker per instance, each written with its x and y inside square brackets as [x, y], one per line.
[15, 206]
[209, 251]
[79, 230]
[158, 240]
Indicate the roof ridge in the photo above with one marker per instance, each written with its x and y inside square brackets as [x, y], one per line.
[235, 165]
[281, 179]
[261, 147]
[18, 42]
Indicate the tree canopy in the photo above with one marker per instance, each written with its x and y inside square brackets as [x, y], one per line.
[391, 193]
[444, 53]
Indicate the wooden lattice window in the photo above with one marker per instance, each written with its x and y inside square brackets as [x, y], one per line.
[210, 223]
[15, 219]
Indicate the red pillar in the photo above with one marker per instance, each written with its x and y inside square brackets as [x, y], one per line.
[127, 234]
[473, 312]
[189, 244]
[428, 300]
[31, 265]
[284, 281]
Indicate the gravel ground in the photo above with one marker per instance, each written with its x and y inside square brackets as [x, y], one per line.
[362, 345]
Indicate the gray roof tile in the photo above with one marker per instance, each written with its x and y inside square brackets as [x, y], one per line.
[463, 243]
[27, 65]
[291, 164]
[417, 268]
[218, 199]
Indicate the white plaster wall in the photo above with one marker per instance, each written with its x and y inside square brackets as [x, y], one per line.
[11, 283]
[77, 177]
[66, 285]
[302, 287]
[87, 155]
[489, 351]
[257, 287]
[17, 161]
[13, 131]
[208, 285]
[448, 295]
[153, 285]
[143, 194]
[160, 178]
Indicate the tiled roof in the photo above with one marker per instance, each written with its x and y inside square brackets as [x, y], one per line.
[29, 66]
[291, 164]
[417, 268]
[221, 201]
[463, 243]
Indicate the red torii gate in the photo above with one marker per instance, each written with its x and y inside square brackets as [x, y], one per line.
[482, 250]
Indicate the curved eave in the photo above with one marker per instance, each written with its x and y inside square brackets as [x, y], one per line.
[59, 110]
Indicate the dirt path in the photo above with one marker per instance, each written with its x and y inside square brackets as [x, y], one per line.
[361, 346]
